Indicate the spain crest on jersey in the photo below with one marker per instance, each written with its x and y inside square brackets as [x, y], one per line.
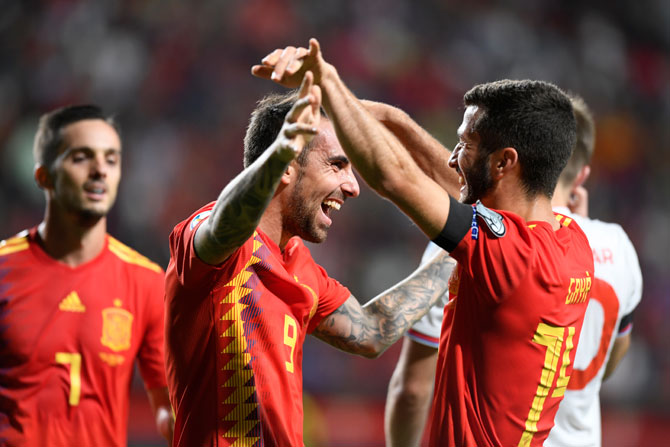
[117, 326]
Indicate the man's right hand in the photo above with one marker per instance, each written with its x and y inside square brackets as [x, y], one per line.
[302, 121]
[288, 66]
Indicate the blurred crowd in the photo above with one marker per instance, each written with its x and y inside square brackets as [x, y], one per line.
[176, 75]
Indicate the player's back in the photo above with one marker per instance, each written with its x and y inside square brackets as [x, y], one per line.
[615, 294]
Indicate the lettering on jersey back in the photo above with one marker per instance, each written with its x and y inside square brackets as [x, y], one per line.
[578, 290]
[603, 256]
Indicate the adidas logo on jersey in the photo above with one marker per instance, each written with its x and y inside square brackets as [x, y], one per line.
[72, 303]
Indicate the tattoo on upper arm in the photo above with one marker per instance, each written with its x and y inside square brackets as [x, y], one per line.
[369, 329]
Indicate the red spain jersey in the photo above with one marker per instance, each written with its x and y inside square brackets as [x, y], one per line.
[68, 341]
[511, 326]
[234, 335]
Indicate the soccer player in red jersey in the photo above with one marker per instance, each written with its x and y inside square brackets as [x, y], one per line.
[524, 273]
[77, 307]
[242, 290]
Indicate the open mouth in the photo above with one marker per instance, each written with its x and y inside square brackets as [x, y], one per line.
[328, 205]
[95, 191]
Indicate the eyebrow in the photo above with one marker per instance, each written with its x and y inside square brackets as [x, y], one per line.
[70, 150]
[341, 158]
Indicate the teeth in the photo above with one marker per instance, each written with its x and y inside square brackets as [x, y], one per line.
[332, 204]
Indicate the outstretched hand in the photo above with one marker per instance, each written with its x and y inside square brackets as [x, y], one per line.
[302, 121]
[289, 65]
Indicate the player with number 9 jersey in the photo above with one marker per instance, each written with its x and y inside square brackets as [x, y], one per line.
[515, 311]
[69, 339]
[254, 311]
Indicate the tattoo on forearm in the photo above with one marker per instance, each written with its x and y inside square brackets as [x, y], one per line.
[241, 205]
[370, 329]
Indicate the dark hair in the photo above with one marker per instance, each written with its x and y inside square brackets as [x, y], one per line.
[535, 118]
[265, 123]
[49, 136]
[586, 135]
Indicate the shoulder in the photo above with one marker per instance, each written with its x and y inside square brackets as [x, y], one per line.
[198, 216]
[15, 244]
[130, 256]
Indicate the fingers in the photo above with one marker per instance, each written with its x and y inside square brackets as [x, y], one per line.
[295, 136]
[272, 58]
[286, 58]
[262, 71]
[293, 130]
[316, 103]
[297, 109]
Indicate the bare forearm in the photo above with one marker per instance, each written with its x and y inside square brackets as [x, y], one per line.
[240, 206]
[381, 159]
[371, 329]
[428, 153]
[374, 150]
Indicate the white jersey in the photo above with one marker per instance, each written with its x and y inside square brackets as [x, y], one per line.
[577, 422]
[427, 330]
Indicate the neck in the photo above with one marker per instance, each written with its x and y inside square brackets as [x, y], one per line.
[272, 224]
[71, 239]
[537, 208]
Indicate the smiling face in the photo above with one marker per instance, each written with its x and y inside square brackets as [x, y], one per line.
[84, 178]
[470, 161]
[323, 182]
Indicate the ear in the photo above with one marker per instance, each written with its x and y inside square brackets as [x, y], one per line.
[42, 177]
[503, 161]
[582, 176]
[290, 173]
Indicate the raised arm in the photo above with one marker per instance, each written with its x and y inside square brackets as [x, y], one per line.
[242, 202]
[368, 330]
[428, 153]
[375, 151]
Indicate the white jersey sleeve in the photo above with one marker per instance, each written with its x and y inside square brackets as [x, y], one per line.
[427, 330]
[616, 292]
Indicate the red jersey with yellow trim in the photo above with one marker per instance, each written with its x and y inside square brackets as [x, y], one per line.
[68, 341]
[507, 345]
[234, 335]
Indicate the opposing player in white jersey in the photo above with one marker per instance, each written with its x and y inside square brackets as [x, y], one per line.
[605, 336]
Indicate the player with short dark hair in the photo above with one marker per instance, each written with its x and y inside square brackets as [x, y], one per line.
[616, 291]
[77, 306]
[243, 292]
[518, 296]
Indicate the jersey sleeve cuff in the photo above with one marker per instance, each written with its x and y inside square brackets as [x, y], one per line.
[423, 339]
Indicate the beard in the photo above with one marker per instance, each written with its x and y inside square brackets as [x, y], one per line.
[478, 181]
[301, 220]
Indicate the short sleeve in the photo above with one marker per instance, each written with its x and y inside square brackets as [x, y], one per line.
[331, 295]
[184, 262]
[497, 263]
[151, 355]
[632, 268]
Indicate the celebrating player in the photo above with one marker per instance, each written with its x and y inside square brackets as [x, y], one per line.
[518, 296]
[78, 306]
[605, 336]
[242, 290]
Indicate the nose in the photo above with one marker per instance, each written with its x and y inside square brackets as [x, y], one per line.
[350, 184]
[453, 159]
[99, 167]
